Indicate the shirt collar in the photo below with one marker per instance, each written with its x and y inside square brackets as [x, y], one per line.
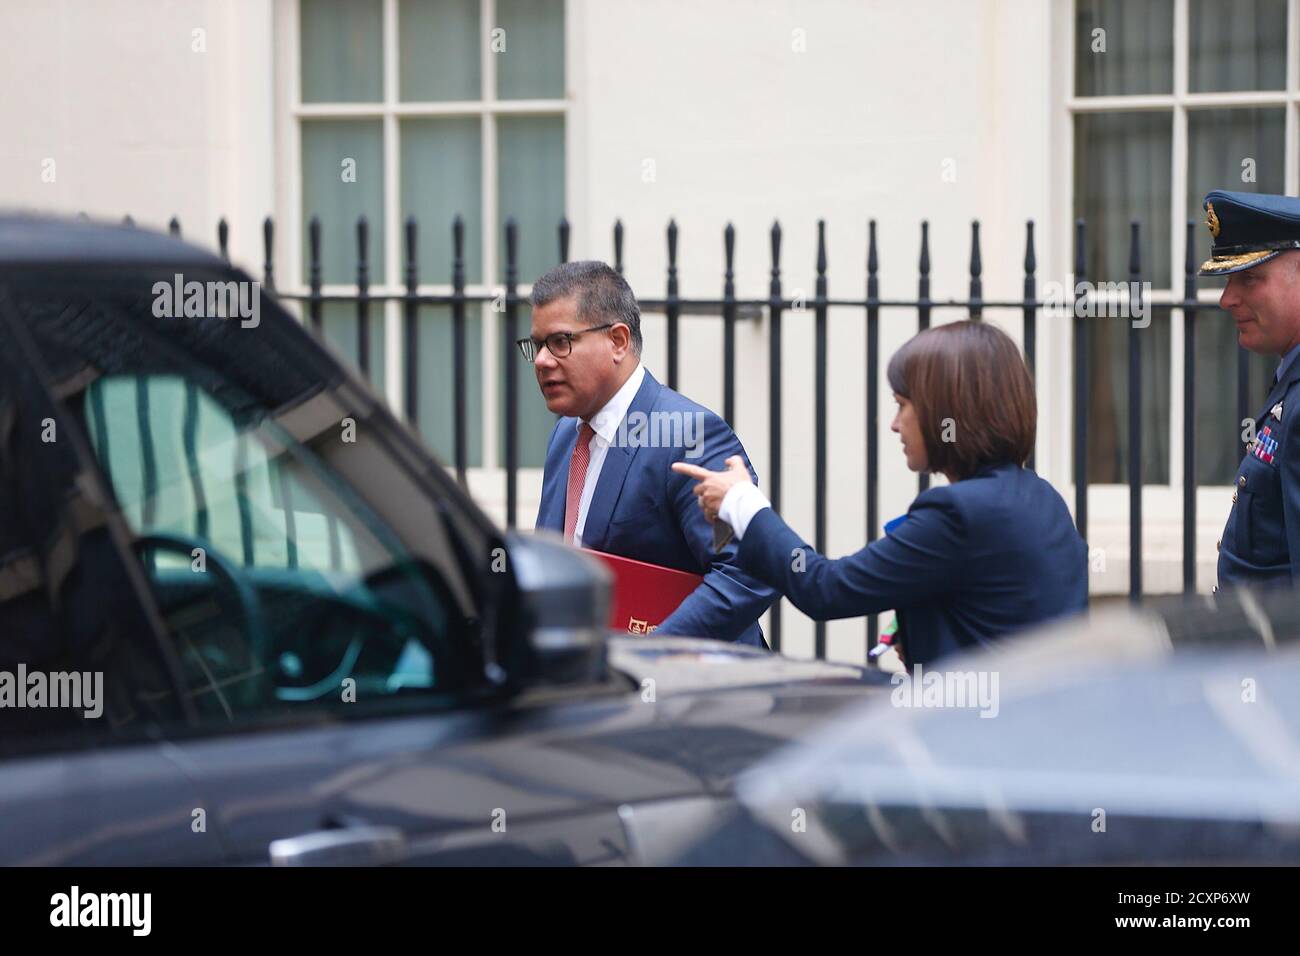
[1286, 361]
[606, 421]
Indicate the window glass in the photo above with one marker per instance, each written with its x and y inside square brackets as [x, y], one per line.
[341, 51]
[436, 389]
[531, 174]
[1108, 404]
[439, 48]
[441, 170]
[1123, 167]
[530, 181]
[1236, 46]
[343, 180]
[1121, 173]
[1123, 47]
[529, 49]
[1122, 164]
[442, 163]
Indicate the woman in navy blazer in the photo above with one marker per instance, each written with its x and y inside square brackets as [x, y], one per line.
[990, 553]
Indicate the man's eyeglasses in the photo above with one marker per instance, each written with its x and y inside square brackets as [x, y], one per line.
[559, 344]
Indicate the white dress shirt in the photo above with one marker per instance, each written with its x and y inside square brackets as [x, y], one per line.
[739, 505]
[605, 424]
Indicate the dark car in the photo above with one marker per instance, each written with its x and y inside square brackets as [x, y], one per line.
[246, 617]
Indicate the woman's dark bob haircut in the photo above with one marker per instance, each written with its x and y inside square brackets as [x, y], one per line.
[973, 396]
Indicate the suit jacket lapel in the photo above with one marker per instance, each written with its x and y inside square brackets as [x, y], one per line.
[618, 459]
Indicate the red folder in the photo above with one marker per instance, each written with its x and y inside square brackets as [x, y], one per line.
[644, 594]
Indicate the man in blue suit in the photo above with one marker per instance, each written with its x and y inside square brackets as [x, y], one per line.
[608, 483]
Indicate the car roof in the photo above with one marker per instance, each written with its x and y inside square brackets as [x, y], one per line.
[28, 239]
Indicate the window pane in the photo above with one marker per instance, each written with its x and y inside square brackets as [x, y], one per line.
[1121, 173]
[442, 163]
[342, 51]
[340, 326]
[1108, 408]
[530, 180]
[1237, 46]
[531, 64]
[439, 50]
[435, 402]
[1218, 428]
[1241, 150]
[343, 179]
[536, 422]
[1123, 46]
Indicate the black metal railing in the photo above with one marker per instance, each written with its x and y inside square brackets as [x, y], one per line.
[733, 308]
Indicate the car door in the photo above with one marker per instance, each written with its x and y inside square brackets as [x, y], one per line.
[85, 687]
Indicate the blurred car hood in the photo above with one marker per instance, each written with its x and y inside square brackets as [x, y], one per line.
[1126, 737]
[678, 664]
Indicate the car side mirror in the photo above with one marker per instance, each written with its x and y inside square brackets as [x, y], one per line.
[567, 595]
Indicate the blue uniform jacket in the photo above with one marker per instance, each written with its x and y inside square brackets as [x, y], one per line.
[975, 560]
[642, 509]
[1261, 541]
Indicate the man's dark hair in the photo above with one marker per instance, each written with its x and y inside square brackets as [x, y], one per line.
[600, 293]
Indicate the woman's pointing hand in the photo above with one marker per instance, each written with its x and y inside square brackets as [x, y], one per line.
[713, 486]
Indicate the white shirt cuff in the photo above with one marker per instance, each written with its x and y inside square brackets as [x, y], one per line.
[739, 505]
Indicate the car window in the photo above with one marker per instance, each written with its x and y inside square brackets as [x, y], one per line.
[283, 592]
[178, 462]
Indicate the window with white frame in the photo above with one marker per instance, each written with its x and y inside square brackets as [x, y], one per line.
[433, 109]
[1171, 99]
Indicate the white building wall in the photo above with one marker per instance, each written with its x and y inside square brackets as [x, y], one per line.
[135, 118]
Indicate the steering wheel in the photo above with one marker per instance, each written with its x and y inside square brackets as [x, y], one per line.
[250, 608]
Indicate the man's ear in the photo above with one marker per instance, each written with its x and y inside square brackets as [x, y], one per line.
[621, 337]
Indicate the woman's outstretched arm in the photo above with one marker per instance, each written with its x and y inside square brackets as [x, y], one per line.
[918, 562]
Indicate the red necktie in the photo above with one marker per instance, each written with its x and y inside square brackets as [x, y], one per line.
[577, 478]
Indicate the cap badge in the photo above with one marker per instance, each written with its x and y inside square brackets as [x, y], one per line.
[1212, 220]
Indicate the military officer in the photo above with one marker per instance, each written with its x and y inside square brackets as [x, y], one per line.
[1257, 246]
